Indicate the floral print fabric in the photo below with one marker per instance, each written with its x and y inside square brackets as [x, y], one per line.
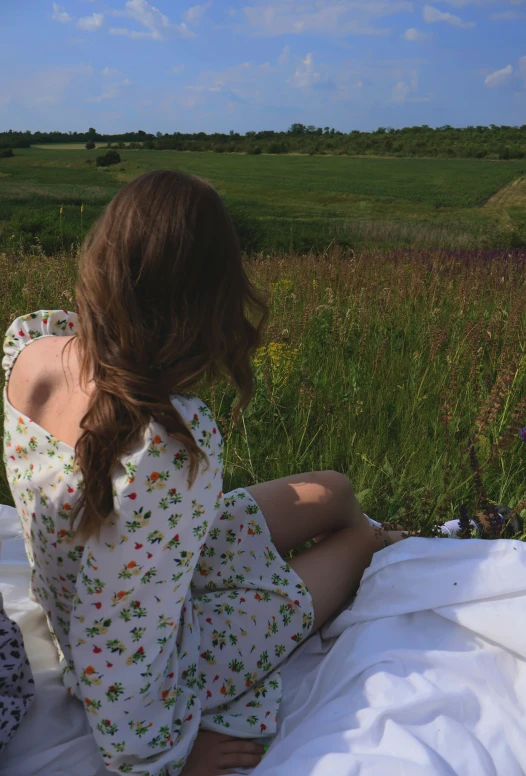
[178, 617]
[17, 688]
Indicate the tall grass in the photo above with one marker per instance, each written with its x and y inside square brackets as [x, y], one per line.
[404, 370]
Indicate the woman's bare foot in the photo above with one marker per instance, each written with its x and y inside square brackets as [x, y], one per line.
[389, 537]
[214, 754]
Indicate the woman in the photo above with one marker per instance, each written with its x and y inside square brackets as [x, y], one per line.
[170, 603]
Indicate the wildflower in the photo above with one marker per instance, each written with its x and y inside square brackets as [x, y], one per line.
[522, 433]
[280, 357]
[282, 286]
[61, 210]
[82, 208]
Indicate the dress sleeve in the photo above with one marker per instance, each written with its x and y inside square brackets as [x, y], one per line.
[134, 633]
[29, 327]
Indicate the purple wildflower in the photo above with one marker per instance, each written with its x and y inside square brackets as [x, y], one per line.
[464, 523]
[522, 433]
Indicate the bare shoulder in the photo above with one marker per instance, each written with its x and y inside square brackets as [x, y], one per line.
[38, 372]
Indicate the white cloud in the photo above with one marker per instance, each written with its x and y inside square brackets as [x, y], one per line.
[91, 23]
[284, 86]
[432, 15]
[147, 15]
[45, 87]
[284, 56]
[413, 34]
[400, 92]
[406, 89]
[326, 17]
[463, 3]
[189, 102]
[177, 69]
[158, 25]
[305, 74]
[59, 15]
[109, 91]
[196, 13]
[247, 83]
[110, 72]
[499, 77]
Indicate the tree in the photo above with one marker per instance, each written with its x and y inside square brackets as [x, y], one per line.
[109, 158]
[297, 129]
[90, 145]
[92, 133]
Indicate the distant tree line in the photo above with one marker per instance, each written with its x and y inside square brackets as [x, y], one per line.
[493, 142]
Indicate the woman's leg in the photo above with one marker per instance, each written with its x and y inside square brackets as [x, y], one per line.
[299, 508]
[303, 506]
[333, 569]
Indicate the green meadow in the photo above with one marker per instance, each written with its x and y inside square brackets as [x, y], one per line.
[50, 196]
[396, 349]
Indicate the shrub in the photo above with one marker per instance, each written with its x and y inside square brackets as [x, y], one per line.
[6, 152]
[109, 158]
[277, 148]
[90, 145]
[254, 151]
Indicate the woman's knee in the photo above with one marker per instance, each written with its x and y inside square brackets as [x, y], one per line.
[341, 499]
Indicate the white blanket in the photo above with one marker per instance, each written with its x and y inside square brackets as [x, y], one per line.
[424, 674]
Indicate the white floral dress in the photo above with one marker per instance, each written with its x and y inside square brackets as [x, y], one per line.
[179, 615]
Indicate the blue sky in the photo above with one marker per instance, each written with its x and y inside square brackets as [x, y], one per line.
[260, 64]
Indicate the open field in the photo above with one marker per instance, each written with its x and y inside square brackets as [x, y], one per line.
[280, 202]
[68, 146]
[379, 366]
[511, 195]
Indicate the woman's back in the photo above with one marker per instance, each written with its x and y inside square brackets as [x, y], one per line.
[72, 581]
[177, 616]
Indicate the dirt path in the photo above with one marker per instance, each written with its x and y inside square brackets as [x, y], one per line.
[513, 194]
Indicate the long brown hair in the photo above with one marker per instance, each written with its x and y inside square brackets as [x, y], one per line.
[163, 300]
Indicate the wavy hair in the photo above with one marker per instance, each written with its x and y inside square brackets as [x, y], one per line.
[163, 300]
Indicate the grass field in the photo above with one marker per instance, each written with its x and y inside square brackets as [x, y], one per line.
[68, 146]
[382, 367]
[280, 203]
